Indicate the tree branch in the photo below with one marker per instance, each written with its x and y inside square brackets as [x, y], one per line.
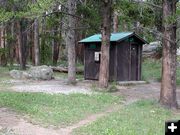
[157, 33]
[147, 3]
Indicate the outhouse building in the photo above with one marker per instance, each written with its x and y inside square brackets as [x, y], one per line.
[125, 56]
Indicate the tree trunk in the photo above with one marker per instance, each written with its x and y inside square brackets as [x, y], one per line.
[71, 43]
[12, 45]
[124, 25]
[3, 60]
[43, 39]
[105, 45]
[36, 43]
[24, 24]
[137, 27]
[56, 49]
[57, 40]
[168, 85]
[31, 49]
[20, 46]
[115, 22]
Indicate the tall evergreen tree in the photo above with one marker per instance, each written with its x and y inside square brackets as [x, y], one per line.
[105, 45]
[168, 85]
[71, 42]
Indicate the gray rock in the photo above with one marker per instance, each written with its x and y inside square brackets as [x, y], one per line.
[152, 47]
[178, 51]
[178, 64]
[16, 74]
[35, 73]
[26, 75]
[41, 73]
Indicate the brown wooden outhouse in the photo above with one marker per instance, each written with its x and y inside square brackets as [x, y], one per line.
[125, 56]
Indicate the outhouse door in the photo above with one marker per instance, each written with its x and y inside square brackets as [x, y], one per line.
[134, 62]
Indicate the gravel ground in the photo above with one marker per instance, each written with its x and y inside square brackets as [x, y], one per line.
[52, 87]
[19, 125]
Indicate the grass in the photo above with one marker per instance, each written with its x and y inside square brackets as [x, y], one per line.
[140, 118]
[65, 76]
[58, 110]
[151, 71]
[4, 74]
[64, 63]
[4, 78]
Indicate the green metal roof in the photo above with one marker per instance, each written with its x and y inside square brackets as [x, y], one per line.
[114, 37]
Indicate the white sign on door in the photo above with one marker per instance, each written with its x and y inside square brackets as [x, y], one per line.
[97, 56]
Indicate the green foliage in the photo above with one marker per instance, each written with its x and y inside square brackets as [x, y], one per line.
[89, 13]
[5, 16]
[59, 110]
[178, 8]
[46, 50]
[91, 16]
[15, 9]
[132, 12]
[3, 51]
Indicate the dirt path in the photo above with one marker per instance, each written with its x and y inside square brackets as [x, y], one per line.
[11, 120]
[145, 91]
[19, 126]
[88, 120]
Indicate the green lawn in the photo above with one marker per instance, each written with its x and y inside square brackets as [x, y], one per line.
[4, 78]
[4, 74]
[140, 118]
[58, 110]
[151, 70]
[80, 77]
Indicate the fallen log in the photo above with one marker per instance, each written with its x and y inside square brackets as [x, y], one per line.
[65, 70]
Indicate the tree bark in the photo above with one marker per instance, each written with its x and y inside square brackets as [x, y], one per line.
[20, 46]
[56, 45]
[168, 85]
[105, 45]
[71, 43]
[57, 30]
[12, 44]
[3, 60]
[36, 43]
[115, 22]
[43, 39]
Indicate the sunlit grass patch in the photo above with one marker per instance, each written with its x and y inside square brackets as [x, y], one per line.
[58, 110]
[140, 118]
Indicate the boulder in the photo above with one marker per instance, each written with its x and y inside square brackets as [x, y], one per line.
[41, 73]
[16, 74]
[35, 73]
[150, 50]
[151, 47]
